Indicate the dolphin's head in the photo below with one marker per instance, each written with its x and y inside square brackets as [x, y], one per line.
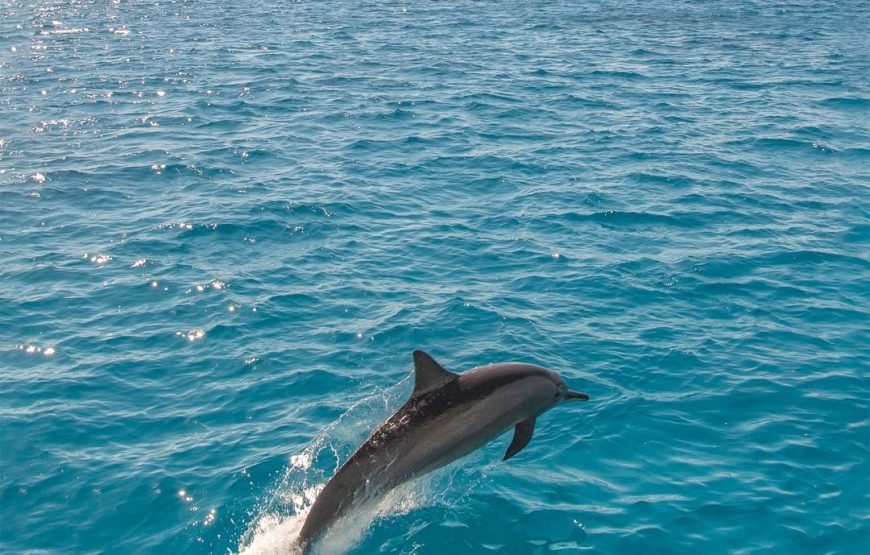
[552, 389]
[562, 392]
[532, 387]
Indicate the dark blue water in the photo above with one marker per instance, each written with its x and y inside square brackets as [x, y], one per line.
[225, 226]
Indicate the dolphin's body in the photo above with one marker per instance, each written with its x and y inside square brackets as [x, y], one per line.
[448, 416]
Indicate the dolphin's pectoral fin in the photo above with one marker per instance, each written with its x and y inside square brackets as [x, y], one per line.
[428, 374]
[522, 435]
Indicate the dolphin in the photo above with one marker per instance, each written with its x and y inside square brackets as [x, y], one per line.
[447, 417]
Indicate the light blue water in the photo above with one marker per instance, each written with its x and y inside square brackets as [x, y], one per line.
[225, 226]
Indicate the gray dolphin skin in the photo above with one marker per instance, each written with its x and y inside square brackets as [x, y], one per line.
[448, 416]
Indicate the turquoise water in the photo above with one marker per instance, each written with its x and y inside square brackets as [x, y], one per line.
[225, 226]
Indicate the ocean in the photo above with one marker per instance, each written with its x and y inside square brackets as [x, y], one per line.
[225, 226]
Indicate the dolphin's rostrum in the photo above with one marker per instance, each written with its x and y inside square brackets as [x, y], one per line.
[447, 416]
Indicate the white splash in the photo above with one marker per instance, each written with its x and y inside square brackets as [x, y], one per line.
[274, 531]
[273, 535]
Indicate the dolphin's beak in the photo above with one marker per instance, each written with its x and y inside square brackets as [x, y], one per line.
[577, 395]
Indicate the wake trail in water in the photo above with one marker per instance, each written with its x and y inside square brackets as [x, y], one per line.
[273, 534]
[275, 529]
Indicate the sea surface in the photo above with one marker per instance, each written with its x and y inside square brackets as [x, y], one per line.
[225, 226]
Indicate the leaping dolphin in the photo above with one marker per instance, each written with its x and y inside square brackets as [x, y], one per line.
[448, 416]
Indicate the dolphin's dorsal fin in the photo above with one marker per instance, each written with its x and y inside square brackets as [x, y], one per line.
[428, 374]
[522, 435]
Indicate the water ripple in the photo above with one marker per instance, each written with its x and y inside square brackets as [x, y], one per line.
[224, 231]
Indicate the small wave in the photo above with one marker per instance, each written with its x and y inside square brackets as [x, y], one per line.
[773, 143]
[617, 74]
[848, 102]
[622, 218]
